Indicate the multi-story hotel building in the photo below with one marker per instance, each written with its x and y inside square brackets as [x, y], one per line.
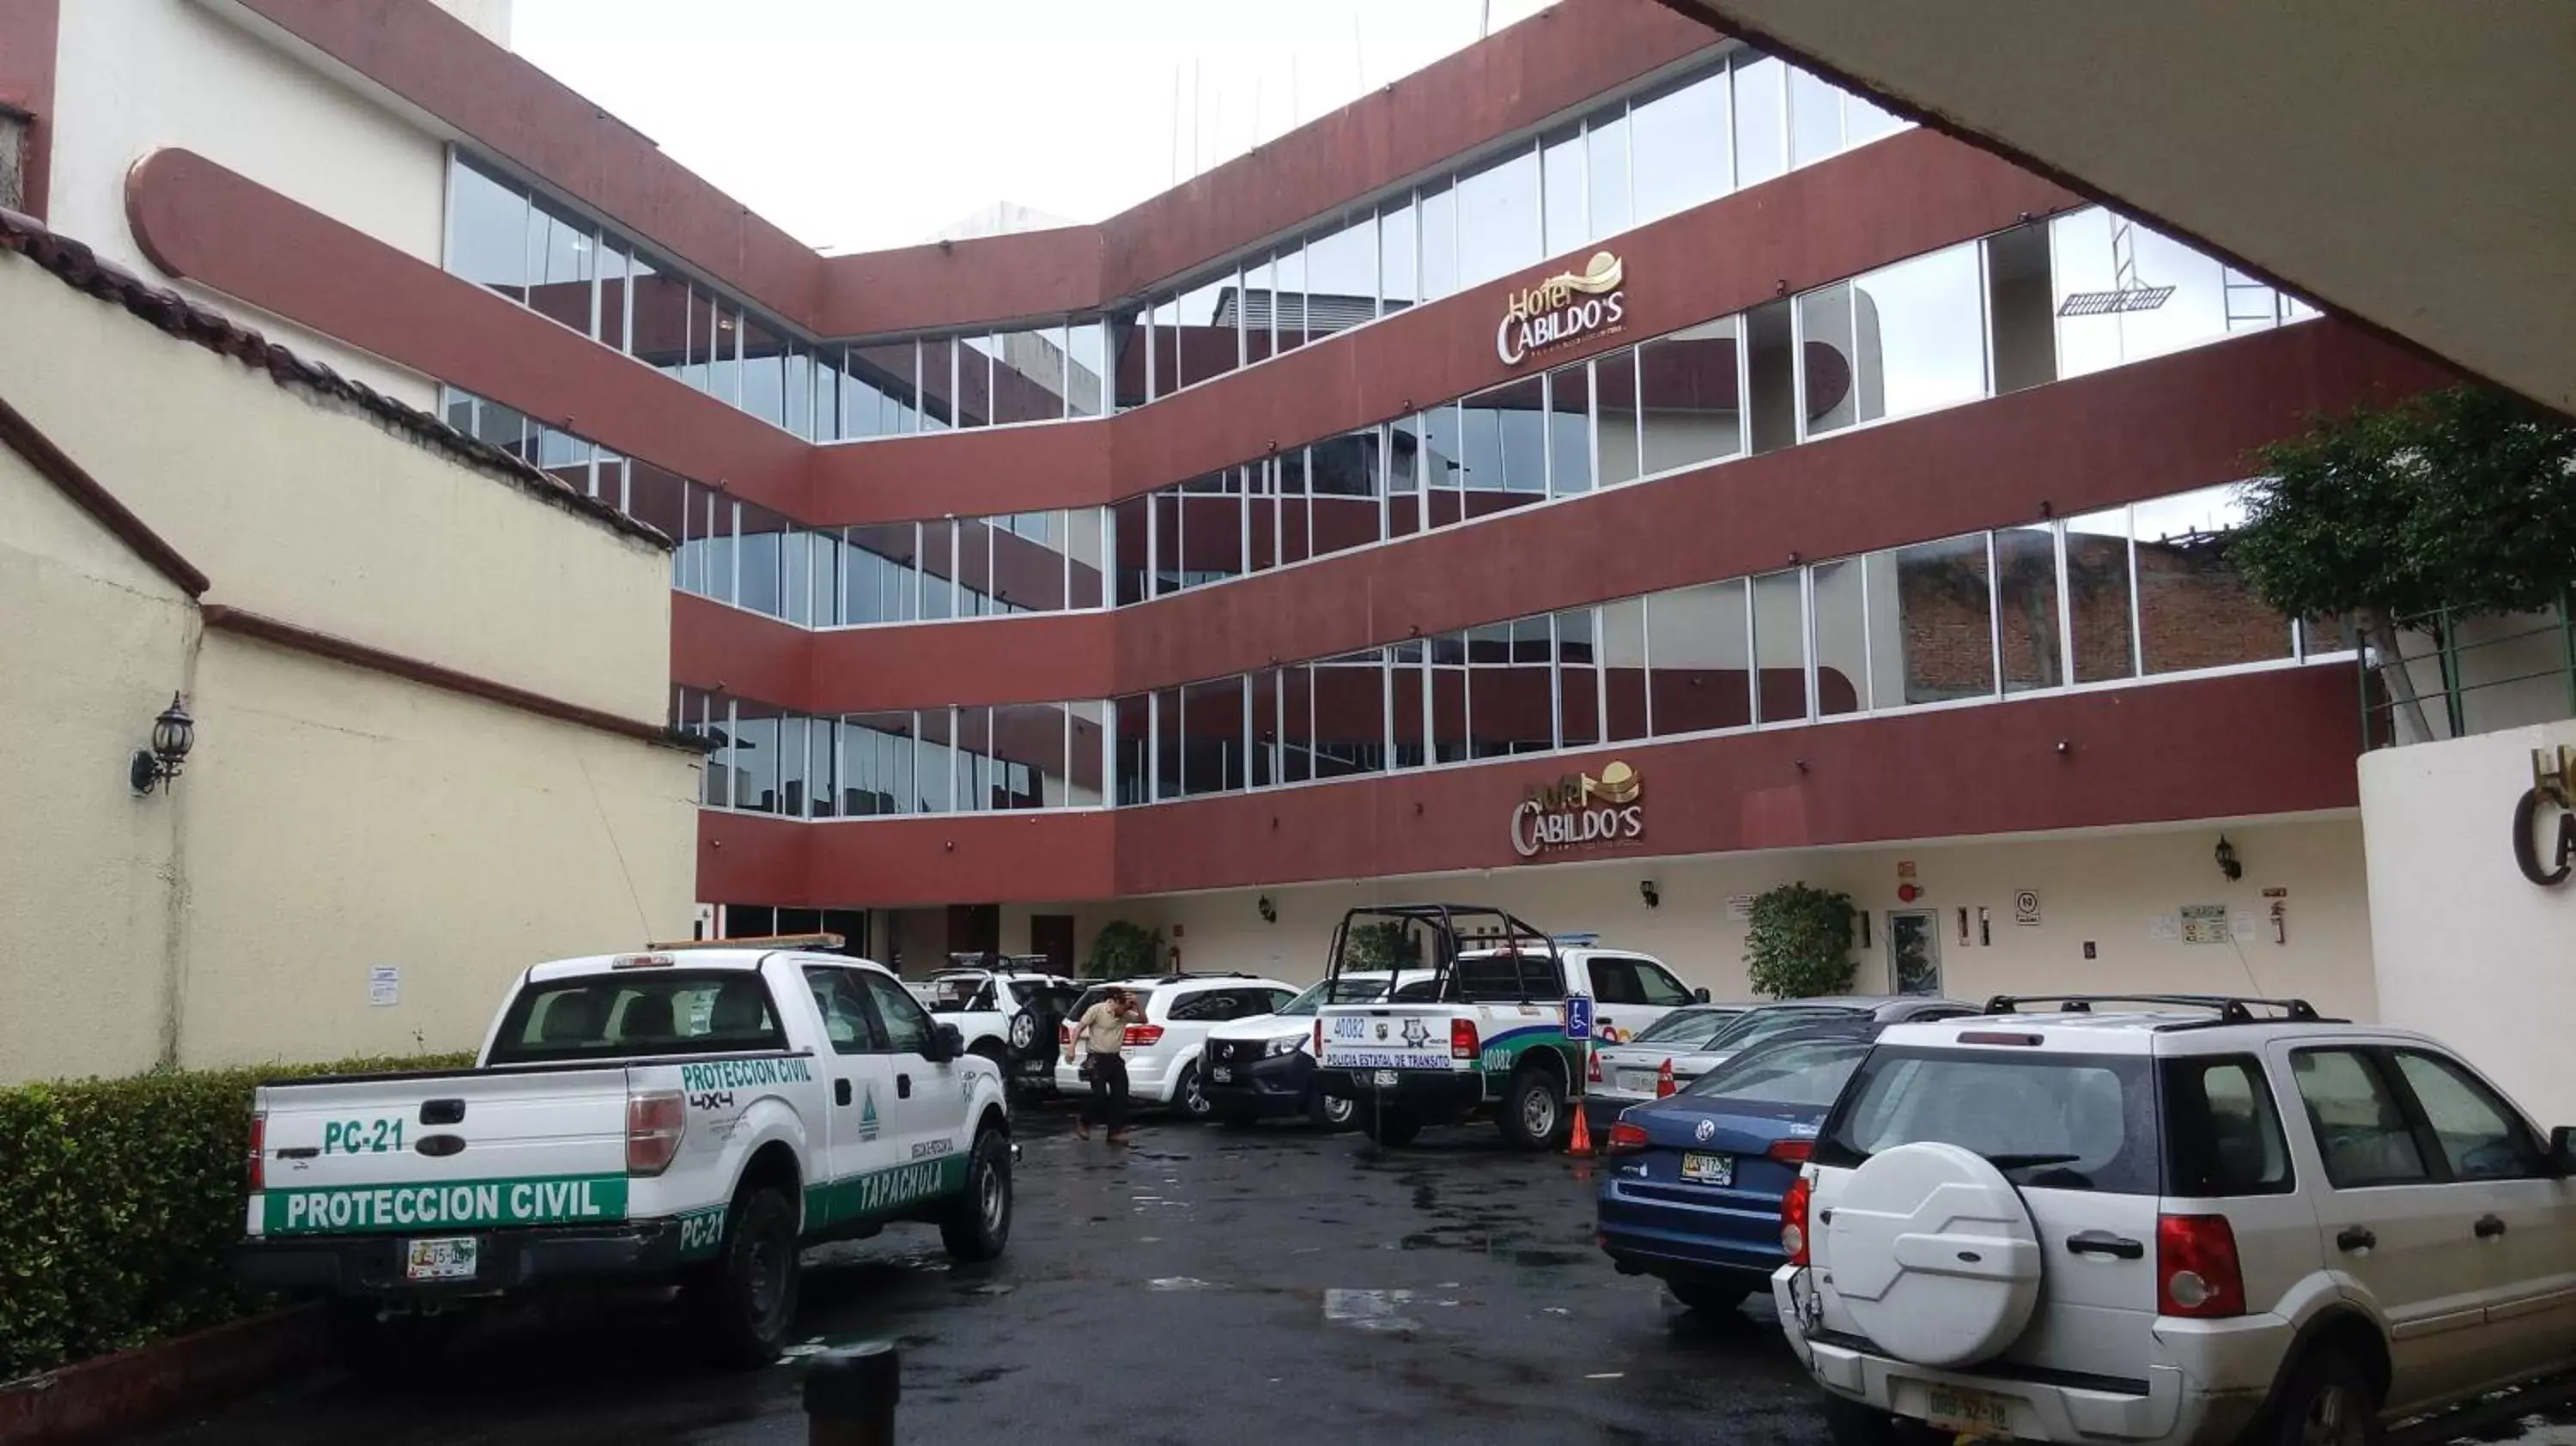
[1608, 402]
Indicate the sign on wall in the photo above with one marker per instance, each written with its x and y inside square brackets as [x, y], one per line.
[384, 986]
[2026, 906]
[2205, 924]
[1568, 307]
[2544, 820]
[1580, 810]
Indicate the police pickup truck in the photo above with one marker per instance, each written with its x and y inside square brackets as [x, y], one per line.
[690, 1114]
[1491, 1042]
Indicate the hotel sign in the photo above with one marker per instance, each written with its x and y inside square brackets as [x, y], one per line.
[1578, 810]
[2544, 822]
[1566, 308]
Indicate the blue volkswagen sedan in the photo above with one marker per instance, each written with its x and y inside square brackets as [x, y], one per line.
[1693, 1183]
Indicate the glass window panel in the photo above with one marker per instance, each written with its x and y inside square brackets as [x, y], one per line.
[1088, 732]
[1697, 640]
[1206, 332]
[724, 372]
[689, 563]
[975, 367]
[1569, 429]
[1399, 273]
[1680, 138]
[1439, 241]
[974, 574]
[1408, 691]
[1780, 643]
[1449, 736]
[716, 781]
[1931, 623]
[1622, 657]
[1761, 120]
[1605, 168]
[1268, 742]
[972, 757]
[1815, 118]
[1028, 375]
[764, 370]
[612, 294]
[1441, 462]
[698, 339]
[1509, 704]
[487, 231]
[1133, 753]
[2097, 582]
[795, 743]
[1341, 278]
[755, 756]
[1578, 680]
[1261, 307]
[723, 522]
[2026, 594]
[876, 765]
[1132, 520]
[1169, 744]
[1565, 194]
[798, 409]
[499, 425]
[2195, 609]
[656, 497]
[1283, 708]
[561, 262]
[796, 590]
[1288, 302]
[657, 316]
[933, 751]
[878, 580]
[1842, 645]
[1028, 752]
[1829, 401]
[1086, 372]
[884, 390]
[825, 584]
[1029, 553]
[1498, 220]
[1086, 565]
[1504, 439]
[1864, 122]
[938, 570]
[2124, 293]
[1692, 413]
[824, 373]
[1343, 474]
[1919, 334]
[1350, 714]
[1614, 387]
[1292, 480]
[1130, 343]
[938, 403]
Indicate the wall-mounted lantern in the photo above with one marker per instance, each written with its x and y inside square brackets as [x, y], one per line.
[173, 734]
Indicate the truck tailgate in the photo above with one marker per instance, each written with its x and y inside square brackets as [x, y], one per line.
[1389, 1036]
[510, 1148]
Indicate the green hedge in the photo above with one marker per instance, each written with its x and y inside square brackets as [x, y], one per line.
[118, 1198]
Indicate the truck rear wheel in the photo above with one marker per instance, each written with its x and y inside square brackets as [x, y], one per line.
[1533, 1110]
[978, 1224]
[746, 1303]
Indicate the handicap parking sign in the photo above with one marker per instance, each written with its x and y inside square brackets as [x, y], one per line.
[1578, 1016]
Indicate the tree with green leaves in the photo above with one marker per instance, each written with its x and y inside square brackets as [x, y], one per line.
[1799, 944]
[1122, 950]
[2460, 501]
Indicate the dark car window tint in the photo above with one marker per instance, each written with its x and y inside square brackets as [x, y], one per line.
[1687, 1028]
[847, 1020]
[604, 1016]
[2222, 1135]
[1802, 1072]
[2360, 1128]
[906, 1025]
[2481, 1136]
[2049, 1121]
[1754, 1026]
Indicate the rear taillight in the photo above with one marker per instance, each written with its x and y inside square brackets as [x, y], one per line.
[1625, 1139]
[258, 1151]
[1793, 1221]
[1141, 1035]
[654, 1124]
[1665, 1085]
[1591, 1067]
[1064, 1035]
[1791, 1152]
[2197, 1273]
[1463, 1043]
[1319, 1039]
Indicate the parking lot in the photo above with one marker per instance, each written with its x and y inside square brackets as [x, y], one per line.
[1202, 1282]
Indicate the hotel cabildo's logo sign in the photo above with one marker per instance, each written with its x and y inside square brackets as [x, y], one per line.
[1578, 810]
[1565, 308]
[2544, 822]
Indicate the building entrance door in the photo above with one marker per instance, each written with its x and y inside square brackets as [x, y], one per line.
[1052, 935]
[1914, 951]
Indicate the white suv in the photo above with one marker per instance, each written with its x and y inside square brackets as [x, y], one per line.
[1165, 1054]
[2189, 1223]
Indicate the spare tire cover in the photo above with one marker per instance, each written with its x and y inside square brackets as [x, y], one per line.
[1933, 1253]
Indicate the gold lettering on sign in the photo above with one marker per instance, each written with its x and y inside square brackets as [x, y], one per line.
[1566, 307]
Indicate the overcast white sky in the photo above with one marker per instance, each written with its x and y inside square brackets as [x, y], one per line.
[862, 124]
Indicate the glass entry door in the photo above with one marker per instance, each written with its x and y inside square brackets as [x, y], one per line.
[1914, 951]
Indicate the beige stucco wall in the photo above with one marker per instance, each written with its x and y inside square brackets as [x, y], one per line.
[134, 76]
[95, 643]
[336, 820]
[2396, 159]
[2470, 950]
[312, 512]
[2104, 887]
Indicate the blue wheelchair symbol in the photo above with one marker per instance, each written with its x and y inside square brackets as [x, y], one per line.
[1578, 1016]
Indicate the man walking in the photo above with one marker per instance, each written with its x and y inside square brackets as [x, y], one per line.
[1102, 1031]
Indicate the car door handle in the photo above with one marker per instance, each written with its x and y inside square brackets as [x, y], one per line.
[840, 1092]
[903, 1087]
[2490, 1226]
[2102, 1242]
[2352, 1238]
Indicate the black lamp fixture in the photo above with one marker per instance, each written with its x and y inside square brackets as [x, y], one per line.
[173, 734]
[1269, 910]
[1646, 891]
[2227, 860]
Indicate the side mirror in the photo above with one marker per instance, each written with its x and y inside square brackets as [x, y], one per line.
[1700, 994]
[2562, 1151]
[945, 1044]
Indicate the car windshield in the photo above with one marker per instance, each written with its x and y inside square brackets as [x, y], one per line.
[950, 993]
[2048, 1120]
[1687, 1028]
[1756, 1025]
[608, 1016]
[1349, 989]
[1806, 1072]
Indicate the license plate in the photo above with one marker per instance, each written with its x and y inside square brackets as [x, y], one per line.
[1709, 1169]
[1637, 1081]
[1221, 1073]
[451, 1258]
[1969, 1413]
[1384, 1079]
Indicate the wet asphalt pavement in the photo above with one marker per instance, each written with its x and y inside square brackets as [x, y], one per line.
[1202, 1284]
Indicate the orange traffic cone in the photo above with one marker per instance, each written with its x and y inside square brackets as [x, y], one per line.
[1664, 1085]
[1580, 1146]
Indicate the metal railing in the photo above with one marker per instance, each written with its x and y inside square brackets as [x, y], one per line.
[2487, 673]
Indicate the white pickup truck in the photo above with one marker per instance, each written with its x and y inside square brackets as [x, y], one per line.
[690, 1114]
[1492, 1040]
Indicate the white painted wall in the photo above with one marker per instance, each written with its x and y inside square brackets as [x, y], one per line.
[2102, 887]
[135, 76]
[2469, 950]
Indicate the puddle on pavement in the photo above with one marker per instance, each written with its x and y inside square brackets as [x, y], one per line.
[1507, 1248]
[1179, 1282]
[1378, 1310]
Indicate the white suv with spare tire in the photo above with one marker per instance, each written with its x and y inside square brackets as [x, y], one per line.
[2195, 1220]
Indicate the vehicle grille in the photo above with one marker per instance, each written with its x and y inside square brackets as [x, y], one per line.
[1235, 1051]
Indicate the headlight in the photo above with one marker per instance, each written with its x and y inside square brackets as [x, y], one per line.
[1278, 1047]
